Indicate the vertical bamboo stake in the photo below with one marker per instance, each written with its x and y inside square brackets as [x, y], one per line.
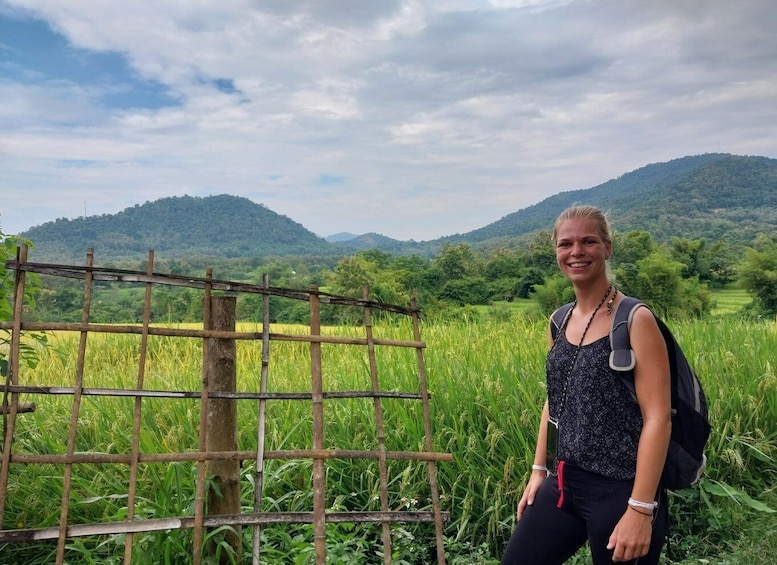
[432, 468]
[317, 389]
[382, 466]
[259, 479]
[222, 421]
[137, 410]
[78, 389]
[199, 497]
[9, 416]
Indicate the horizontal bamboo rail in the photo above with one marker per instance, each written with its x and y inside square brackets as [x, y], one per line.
[22, 407]
[102, 458]
[183, 332]
[123, 275]
[187, 522]
[129, 392]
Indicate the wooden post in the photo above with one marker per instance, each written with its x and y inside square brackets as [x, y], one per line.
[221, 364]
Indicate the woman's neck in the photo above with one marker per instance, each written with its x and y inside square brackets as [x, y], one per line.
[590, 296]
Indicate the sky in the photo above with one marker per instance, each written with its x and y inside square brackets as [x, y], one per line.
[415, 119]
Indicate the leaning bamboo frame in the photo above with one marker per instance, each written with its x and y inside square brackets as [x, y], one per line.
[318, 453]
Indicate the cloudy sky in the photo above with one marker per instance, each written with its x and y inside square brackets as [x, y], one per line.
[411, 118]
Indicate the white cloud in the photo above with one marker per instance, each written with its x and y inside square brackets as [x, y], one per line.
[435, 117]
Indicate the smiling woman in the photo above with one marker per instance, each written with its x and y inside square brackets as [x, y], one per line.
[599, 455]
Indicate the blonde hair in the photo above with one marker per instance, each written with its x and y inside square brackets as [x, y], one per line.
[584, 212]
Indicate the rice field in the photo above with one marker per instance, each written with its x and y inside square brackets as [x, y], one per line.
[730, 301]
[486, 380]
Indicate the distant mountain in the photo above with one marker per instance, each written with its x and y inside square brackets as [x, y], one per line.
[711, 196]
[378, 241]
[341, 237]
[186, 226]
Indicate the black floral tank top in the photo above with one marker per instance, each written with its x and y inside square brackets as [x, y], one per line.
[600, 424]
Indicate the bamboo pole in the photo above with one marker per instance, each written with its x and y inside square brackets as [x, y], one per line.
[260, 432]
[71, 442]
[432, 468]
[12, 378]
[187, 522]
[182, 332]
[382, 465]
[148, 393]
[286, 454]
[319, 477]
[123, 275]
[21, 407]
[199, 497]
[136, 415]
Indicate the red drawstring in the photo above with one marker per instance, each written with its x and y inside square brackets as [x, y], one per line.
[560, 484]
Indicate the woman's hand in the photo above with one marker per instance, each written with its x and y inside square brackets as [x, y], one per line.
[631, 537]
[527, 499]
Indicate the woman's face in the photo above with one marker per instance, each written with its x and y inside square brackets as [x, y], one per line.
[581, 251]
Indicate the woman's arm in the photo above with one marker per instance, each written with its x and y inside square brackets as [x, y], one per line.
[653, 388]
[631, 537]
[537, 475]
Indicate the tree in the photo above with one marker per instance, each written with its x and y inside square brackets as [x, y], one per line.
[527, 283]
[455, 261]
[694, 257]
[722, 259]
[556, 292]
[758, 274]
[28, 349]
[631, 247]
[470, 290]
[542, 253]
[505, 264]
[657, 280]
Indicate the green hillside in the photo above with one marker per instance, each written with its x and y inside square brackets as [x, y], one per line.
[219, 226]
[712, 196]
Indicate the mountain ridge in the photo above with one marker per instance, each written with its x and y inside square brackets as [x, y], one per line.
[711, 196]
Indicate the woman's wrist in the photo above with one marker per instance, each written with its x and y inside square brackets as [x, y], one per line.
[651, 506]
[644, 508]
[635, 509]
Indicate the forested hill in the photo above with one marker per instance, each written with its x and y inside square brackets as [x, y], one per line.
[711, 196]
[217, 226]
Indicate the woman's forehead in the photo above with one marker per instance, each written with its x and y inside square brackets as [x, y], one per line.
[578, 227]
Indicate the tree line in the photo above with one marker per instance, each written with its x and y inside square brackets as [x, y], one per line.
[675, 278]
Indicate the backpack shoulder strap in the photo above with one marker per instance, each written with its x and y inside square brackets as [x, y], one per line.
[558, 318]
[621, 355]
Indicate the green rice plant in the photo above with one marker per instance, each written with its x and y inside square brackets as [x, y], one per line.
[486, 380]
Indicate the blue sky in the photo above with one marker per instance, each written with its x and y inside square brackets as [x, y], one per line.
[411, 118]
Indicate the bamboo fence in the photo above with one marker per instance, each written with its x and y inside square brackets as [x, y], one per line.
[317, 397]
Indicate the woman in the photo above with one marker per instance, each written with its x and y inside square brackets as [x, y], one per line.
[610, 450]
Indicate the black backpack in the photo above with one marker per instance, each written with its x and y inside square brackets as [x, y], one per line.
[685, 459]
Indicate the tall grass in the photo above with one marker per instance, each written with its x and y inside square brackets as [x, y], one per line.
[486, 379]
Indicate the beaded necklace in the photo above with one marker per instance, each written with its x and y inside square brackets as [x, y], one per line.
[555, 421]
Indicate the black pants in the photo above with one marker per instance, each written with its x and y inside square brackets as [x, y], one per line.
[592, 506]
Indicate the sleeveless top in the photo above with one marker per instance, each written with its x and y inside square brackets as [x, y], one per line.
[600, 424]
